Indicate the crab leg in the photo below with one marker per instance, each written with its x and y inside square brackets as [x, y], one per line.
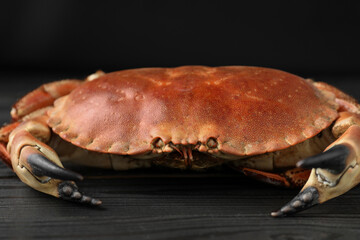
[295, 177]
[38, 166]
[334, 172]
[32, 105]
[42, 97]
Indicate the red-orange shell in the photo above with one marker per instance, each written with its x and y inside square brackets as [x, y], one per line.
[249, 110]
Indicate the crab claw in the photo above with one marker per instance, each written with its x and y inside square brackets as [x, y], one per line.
[41, 166]
[334, 172]
[69, 191]
[305, 199]
[334, 159]
[49, 173]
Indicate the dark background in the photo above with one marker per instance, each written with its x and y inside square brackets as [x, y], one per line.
[42, 41]
[304, 37]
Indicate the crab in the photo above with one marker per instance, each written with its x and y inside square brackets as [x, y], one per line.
[268, 124]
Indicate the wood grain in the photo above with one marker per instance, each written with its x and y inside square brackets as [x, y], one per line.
[145, 205]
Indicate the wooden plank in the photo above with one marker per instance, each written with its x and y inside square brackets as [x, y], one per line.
[172, 208]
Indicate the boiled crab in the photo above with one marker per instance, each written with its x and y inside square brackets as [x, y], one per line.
[267, 123]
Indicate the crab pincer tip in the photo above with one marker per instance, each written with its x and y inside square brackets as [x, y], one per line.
[277, 214]
[69, 191]
[96, 202]
[333, 159]
[307, 198]
[42, 166]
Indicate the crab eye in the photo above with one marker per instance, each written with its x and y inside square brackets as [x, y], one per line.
[158, 143]
[211, 143]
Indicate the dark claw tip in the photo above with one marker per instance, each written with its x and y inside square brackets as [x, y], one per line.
[333, 159]
[67, 190]
[76, 195]
[41, 166]
[304, 200]
[70, 192]
[277, 214]
[85, 199]
[96, 202]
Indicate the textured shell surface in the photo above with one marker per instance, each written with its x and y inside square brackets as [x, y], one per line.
[248, 110]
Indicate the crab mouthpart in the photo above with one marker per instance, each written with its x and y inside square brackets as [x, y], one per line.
[187, 156]
[186, 152]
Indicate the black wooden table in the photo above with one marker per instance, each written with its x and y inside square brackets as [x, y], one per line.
[165, 205]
